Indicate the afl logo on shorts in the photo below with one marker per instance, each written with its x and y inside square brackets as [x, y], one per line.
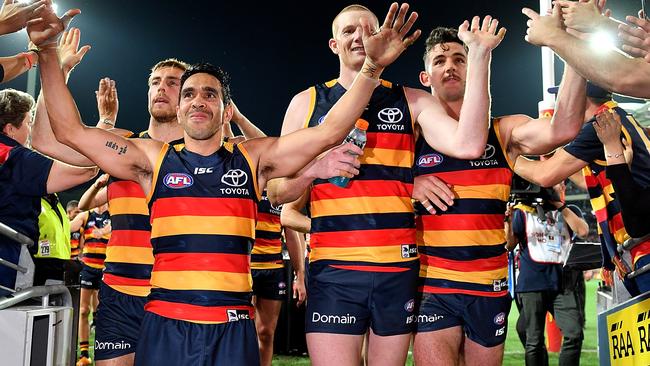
[178, 180]
[321, 119]
[429, 160]
[500, 318]
[409, 306]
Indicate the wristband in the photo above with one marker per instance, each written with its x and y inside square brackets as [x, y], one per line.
[29, 60]
[107, 121]
[615, 156]
[559, 209]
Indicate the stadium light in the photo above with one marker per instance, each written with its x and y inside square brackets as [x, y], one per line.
[602, 42]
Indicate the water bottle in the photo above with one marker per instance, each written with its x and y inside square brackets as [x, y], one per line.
[358, 137]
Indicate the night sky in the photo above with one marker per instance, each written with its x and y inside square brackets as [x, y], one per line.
[272, 50]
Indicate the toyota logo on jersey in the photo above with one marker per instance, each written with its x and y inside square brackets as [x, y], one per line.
[489, 152]
[390, 115]
[234, 178]
[178, 180]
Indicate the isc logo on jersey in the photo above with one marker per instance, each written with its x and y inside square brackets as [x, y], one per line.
[234, 178]
[178, 180]
[429, 160]
[390, 118]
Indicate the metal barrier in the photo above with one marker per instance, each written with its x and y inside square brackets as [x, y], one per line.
[63, 348]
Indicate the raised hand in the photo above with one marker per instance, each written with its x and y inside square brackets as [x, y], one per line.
[384, 45]
[608, 129]
[101, 181]
[15, 15]
[541, 28]
[481, 36]
[636, 40]
[70, 54]
[584, 16]
[107, 102]
[46, 29]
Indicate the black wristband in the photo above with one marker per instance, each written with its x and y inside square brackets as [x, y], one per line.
[559, 209]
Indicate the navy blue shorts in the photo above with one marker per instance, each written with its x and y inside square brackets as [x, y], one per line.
[90, 277]
[269, 283]
[165, 341]
[344, 301]
[484, 319]
[118, 321]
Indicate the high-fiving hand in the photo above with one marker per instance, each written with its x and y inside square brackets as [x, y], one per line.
[70, 54]
[541, 28]
[14, 15]
[384, 45]
[481, 36]
[45, 30]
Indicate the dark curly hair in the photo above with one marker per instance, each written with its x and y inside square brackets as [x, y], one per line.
[215, 71]
[441, 35]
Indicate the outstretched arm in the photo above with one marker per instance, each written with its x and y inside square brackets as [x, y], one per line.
[524, 135]
[466, 138]
[13, 66]
[549, 172]
[607, 68]
[63, 176]
[43, 138]
[95, 195]
[120, 157]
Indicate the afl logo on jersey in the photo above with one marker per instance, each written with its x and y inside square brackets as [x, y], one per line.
[321, 119]
[178, 180]
[429, 160]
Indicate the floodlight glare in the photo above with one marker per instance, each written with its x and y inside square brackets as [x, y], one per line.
[602, 42]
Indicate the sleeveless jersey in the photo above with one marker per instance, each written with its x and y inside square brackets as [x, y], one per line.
[74, 243]
[370, 224]
[129, 257]
[462, 250]
[94, 252]
[267, 251]
[203, 211]
[588, 148]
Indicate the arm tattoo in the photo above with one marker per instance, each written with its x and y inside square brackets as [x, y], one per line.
[113, 145]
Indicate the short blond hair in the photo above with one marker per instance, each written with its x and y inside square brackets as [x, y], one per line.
[353, 7]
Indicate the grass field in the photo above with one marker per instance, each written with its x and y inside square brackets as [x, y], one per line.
[514, 353]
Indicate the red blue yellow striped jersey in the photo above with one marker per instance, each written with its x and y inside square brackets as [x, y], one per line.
[74, 243]
[129, 256]
[267, 251]
[94, 251]
[587, 147]
[370, 224]
[203, 211]
[462, 250]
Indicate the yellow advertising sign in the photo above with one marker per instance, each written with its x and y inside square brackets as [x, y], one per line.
[628, 334]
